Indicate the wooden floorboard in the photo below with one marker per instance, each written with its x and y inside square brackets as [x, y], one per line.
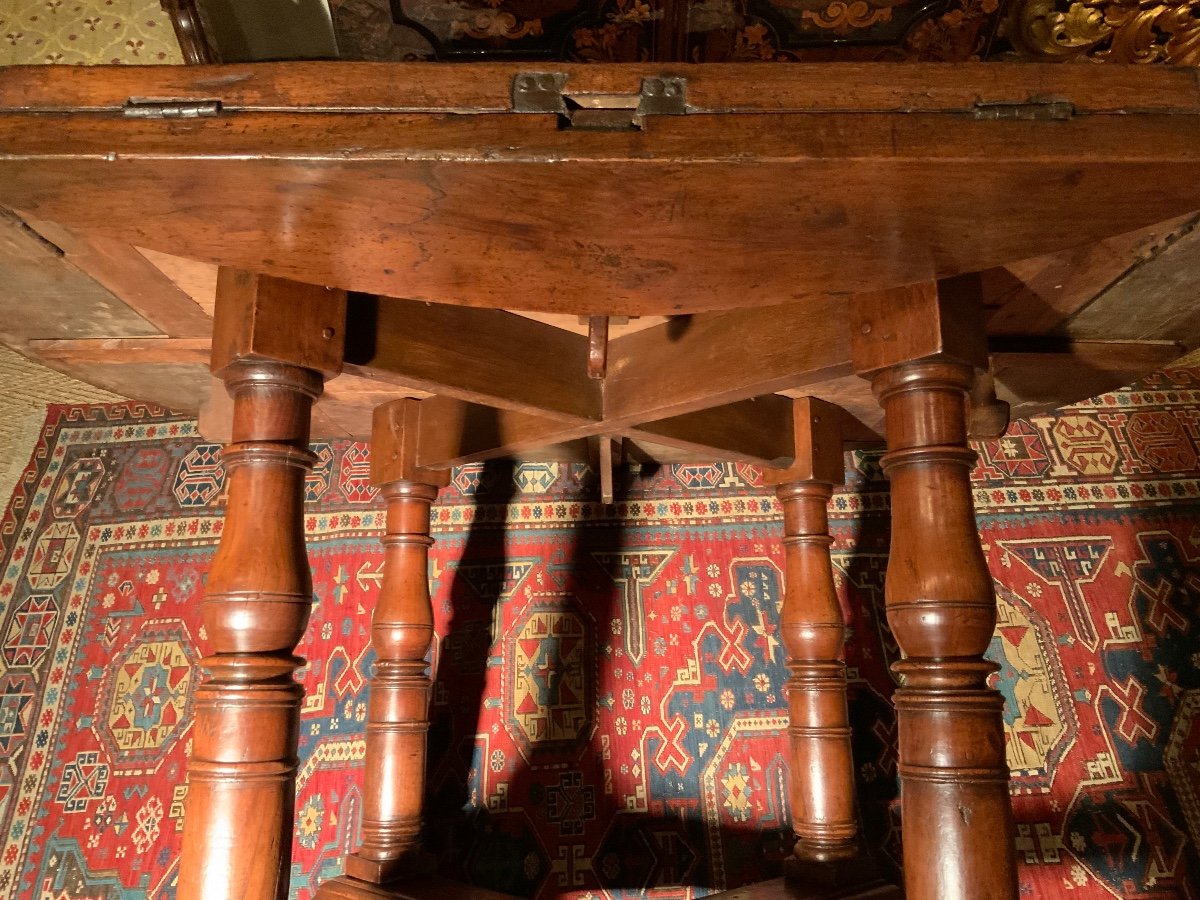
[424, 888]
[786, 889]
[432, 888]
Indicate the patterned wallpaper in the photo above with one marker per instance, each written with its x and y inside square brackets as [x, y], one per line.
[86, 32]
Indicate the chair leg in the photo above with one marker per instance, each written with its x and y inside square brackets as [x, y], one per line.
[822, 766]
[956, 815]
[237, 835]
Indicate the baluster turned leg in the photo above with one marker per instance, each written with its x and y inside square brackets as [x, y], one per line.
[241, 776]
[822, 764]
[398, 711]
[814, 632]
[955, 809]
[827, 859]
[402, 634]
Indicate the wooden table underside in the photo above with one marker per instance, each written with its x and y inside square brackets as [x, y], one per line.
[778, 185]
[785, 188]
[809, 230]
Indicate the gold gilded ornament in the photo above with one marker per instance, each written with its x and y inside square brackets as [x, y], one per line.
[1121, 31]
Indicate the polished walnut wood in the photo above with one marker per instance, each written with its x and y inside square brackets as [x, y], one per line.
[264, 318]
[408, 196]
[389, 861]
[828, 859]
[955, 811]
[486, 87]
[401, 634]
[814, 635]
[241, 774]
[822, 784]
[403, 348]
[398, 711]
[468, 355]
[751, 220]
[822, 764]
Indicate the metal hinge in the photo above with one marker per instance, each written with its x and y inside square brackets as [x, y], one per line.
[1035, 108]
[143, 108]
[546, 92]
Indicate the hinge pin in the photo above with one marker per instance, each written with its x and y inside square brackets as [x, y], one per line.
[142, 108]
[1032, 109]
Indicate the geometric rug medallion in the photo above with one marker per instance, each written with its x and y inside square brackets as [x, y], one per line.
[609, 715]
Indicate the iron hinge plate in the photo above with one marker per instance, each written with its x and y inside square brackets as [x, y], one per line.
[146, 108]
[548, 92]
[1034, 109]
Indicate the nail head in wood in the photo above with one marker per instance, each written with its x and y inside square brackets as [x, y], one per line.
[917, 321]
[258, 317]
[817, 434]
[395, 444]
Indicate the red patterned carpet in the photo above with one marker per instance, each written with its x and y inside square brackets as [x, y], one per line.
[608, 715]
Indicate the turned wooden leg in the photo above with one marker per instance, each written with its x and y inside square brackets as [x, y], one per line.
[822, 765]
[956, 816]
[827, 860]
[274, 342]
[398, 710]
[921, 347]
[401, 633]
[237, 834]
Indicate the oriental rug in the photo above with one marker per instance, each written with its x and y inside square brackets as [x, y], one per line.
[608, 715]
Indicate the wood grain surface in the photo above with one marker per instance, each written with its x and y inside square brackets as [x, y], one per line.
[774, 190]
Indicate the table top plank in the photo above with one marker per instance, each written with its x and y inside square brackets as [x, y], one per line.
[696, 213]
[486, 87]
[797, 185]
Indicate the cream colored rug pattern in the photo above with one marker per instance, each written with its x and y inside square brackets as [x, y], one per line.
[28, 389]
